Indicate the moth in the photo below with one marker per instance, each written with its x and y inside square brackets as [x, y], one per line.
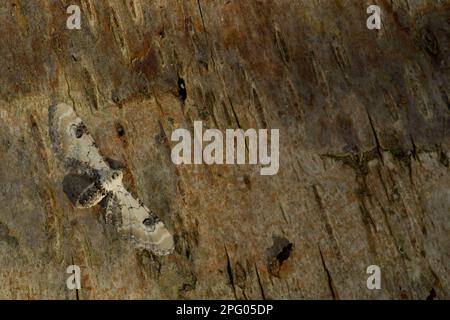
[77, 150]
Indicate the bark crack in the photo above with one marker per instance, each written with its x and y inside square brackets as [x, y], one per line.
[329, 279]
[69, 93]
[377, 141]
[260, 283]
[230, 272]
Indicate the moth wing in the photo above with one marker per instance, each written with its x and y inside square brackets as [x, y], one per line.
[72, 141]
[139, 224]
[112, 210]
[91, 195]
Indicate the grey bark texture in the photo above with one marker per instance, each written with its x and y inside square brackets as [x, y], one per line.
[364, 118]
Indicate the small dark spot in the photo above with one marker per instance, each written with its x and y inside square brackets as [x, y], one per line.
[188, 253]
[120, 130]
[285, 253]
[432, 294]
[115, 98]
[150, 221]
[443, 158]
[247, 181]
[278, 254]
[182, 92]
[80, 130]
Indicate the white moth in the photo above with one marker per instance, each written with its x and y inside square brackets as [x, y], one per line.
[132, 219]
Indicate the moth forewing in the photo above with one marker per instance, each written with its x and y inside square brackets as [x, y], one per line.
[71, 139]
[132, 219]
[142, 226]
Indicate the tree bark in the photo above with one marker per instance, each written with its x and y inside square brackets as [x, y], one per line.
[364, 120]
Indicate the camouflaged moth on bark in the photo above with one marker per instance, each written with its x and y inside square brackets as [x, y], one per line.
[77, 150]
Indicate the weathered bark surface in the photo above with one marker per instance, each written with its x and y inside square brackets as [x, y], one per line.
[364, 121]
